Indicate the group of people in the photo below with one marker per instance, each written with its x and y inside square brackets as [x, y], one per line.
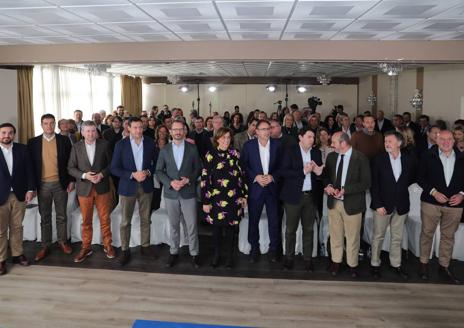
[214, 168]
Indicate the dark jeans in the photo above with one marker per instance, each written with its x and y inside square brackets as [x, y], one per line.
[305, 211]
[53, 192]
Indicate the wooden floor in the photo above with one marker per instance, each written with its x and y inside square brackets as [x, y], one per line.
[40, 296]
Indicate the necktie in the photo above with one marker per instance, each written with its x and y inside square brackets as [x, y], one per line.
[338, 180]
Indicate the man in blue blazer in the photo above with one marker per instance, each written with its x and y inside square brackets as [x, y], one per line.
[17, 187]
[301, 165]
[260, 160]
[133, 162]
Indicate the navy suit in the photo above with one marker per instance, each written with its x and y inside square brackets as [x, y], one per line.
[259, 196]
[22, 179]
[123, 165]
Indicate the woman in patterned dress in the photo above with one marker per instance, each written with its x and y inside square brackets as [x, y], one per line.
[223, 194]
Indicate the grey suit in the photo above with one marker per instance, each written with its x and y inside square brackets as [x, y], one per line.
[240, 139]
[79, 164]
[182, 204]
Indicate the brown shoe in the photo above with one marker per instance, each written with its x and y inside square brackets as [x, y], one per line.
[21, 260]
[109, 251]
[65, 247]
[83, 254]
[43, 253]
[334, 269]
[2, 268]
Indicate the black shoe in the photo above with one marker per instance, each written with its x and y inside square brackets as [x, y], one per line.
[448, 276]
[230, 262]
[215, 261]
[272, 257]
[254, 257]
[424, 271]
[148, 252]
[334, 269]
[400, 272]
[21, 260]
[375, 272]
[2, 268]
[196, 261]
[288, 263]
[124, 258]
[172, 260]
[308, 266]
[354, 272]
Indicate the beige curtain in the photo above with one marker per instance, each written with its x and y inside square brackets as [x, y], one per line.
[131, 94]
[25, 110]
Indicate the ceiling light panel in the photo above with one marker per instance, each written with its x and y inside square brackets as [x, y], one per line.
[255, 10]
[331, 9]
[255, 25]
[101, 14]
[196, 26]
[181, 11]
[43, 16]
[135, 27]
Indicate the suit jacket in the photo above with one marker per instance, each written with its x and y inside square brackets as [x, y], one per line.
[387, 126]
[63, 145]
[385, 190]
[149, 132]
[79, 164]
[123, 165]
[240, 139]
[191, 166]
[112, 137]
[251, 163]
[22, 180]
[358, 180]
[431, 175]
[292, 175]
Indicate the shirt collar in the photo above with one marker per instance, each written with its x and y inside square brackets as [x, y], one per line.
[132, 140]
[441, 153]
[394, 159]
[267, 145]
[49, 139]
[348, 153]
[303, 151]
[182, 144]
[5, 148]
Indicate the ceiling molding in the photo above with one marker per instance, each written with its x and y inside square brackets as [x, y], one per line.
[249, 80]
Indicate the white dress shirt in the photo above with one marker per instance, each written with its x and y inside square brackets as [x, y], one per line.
[306, 159]
[90, 149]
[265, 155]
[137, 151]
[448, 165]
[396, 166]
[380, 124]
[8, 154]
[346, 163]
[178, 152]
[347, 131]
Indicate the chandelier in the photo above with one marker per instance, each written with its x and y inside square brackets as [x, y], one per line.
[417, 100]
[372, 99]
[323, 79]
[391, 69]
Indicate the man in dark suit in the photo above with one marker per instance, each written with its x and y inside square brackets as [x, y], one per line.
[301, 164]
[346, 178]
[147, 131]
[89, 163]
[392, 173]
[96, 117]
[441, 176]
[260, 160]
[383, 124]
[178, 168]
[276, 133]
[430, 140]
[409, 123]
[114, 134]
[133, 162]
[49, 156]
[201, 137]
[17, 187]
[244, 136]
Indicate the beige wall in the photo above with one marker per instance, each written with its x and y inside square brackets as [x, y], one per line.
[9, 96]
[365, 89]
[249, 97]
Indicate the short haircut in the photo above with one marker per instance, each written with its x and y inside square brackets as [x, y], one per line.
[345, 137]
[293, 107]
[78, 111]
[88, 123]
[368, 116]
[199, 118]
[407, 113]
[262, 122]
[47, 116]
[275, 121]
[180, 121]
[120, 106]
[8, 125]
[219, 134]
[426, 117]
[254, 119]
[117, 117]
[399, 116]
[434, 127]
[134, 119]
[303, 131]
[343, 115]
[396, 134]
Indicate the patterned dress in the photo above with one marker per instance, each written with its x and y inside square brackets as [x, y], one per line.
[222, 185]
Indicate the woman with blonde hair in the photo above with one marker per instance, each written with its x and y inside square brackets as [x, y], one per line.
[223, 193]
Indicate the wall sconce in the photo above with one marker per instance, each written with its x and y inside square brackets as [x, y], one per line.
[417, 100]
[271, 88]
[372, 99]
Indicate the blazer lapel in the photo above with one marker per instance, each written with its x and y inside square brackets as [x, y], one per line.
[16, 160]
[3, 163]
[184, 157]
[83, 152]
[260, 165]
[171, 155]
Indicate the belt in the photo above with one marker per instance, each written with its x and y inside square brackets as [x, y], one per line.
[307, 192]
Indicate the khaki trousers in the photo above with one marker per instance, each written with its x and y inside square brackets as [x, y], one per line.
[127, 206]
[341, 226]
[104, 204]
[449, 219]
[381, 223]
[11, 217]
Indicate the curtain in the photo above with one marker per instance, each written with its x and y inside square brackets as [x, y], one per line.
[131, 94]
[60, 90]
[25, 108]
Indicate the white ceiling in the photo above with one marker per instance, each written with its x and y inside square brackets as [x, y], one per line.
[246, 69]
[101, 21]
